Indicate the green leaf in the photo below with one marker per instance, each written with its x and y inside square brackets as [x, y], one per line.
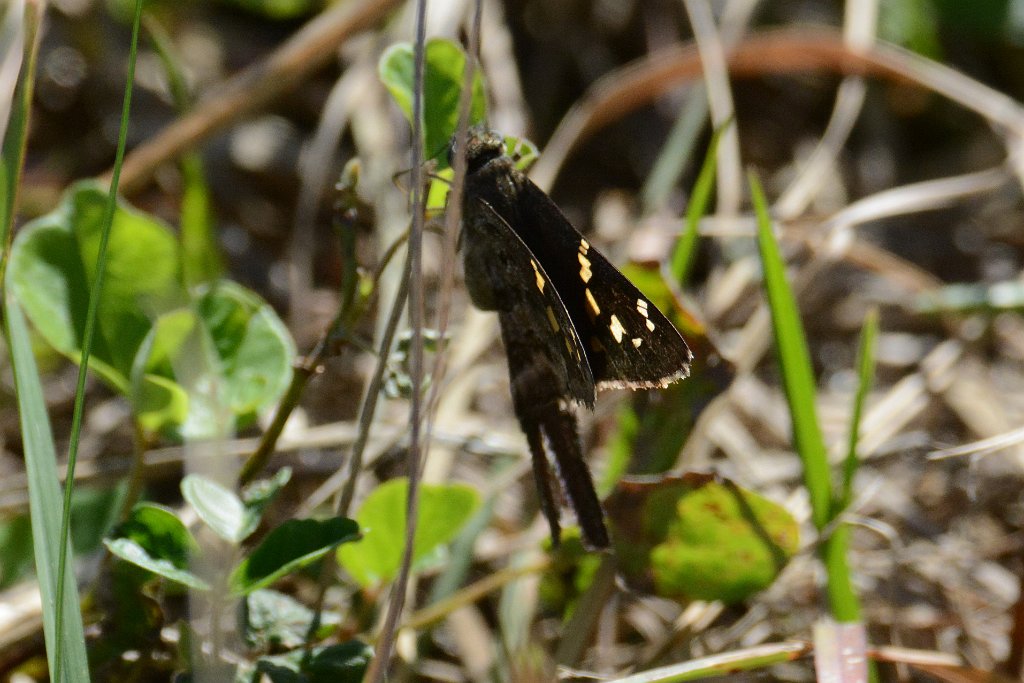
[232, 518]
[835, 549]
[341, 663]
[94, 514]
[261, 493]
[231, 340]
[130, 551]
[147, 333]
[254, 347]
[220, 508]
[697, 537]
[440, 186]
[275, 621]
[52, 269]
[865, 377]
[915, 24]
[795, 363]
[45, 503]
[160, 404]
[282, 668]
[18, 48]
[178, 343]
[155, 539]
[443, 510]
[444, 63]
[291, 546]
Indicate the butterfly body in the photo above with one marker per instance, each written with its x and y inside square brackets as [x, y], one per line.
[571, 323]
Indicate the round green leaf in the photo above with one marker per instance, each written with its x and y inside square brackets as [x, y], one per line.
[443, 511]
[699, 537]
[444, 62]
[52, 268]
[230, 340]
[253, 345]
[291, 546]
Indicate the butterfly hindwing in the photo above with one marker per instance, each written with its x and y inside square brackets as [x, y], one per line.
[503, 275]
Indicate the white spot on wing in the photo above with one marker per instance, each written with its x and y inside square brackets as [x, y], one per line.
[650, 325]
[637, 341]
[592, 303]
[552, 320]
[540, 278]
[616, 329]
[585, 273]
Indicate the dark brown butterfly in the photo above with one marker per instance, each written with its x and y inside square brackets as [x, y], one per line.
[571, 323]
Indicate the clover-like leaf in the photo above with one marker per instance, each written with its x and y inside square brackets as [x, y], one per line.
[443, 511]
[699, 537]
[444, 62]
[52, 270]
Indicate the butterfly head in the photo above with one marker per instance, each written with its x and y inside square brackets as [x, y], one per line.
[482, 145]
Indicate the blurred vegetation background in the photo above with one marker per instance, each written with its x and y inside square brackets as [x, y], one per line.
[937, 552]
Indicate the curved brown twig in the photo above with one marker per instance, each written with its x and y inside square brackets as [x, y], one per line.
[785, 51]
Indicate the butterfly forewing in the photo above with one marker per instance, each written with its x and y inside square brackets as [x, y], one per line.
[628, 341]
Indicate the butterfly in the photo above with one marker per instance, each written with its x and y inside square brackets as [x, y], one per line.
[571, 323]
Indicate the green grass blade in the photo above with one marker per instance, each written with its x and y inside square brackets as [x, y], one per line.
[201, 258]
[841, 596]
[62, 619]
[676, 151]
[45, 504]
[795, 364]
[14, 130]
[686, 249]
[89, 333]
[865, 375]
